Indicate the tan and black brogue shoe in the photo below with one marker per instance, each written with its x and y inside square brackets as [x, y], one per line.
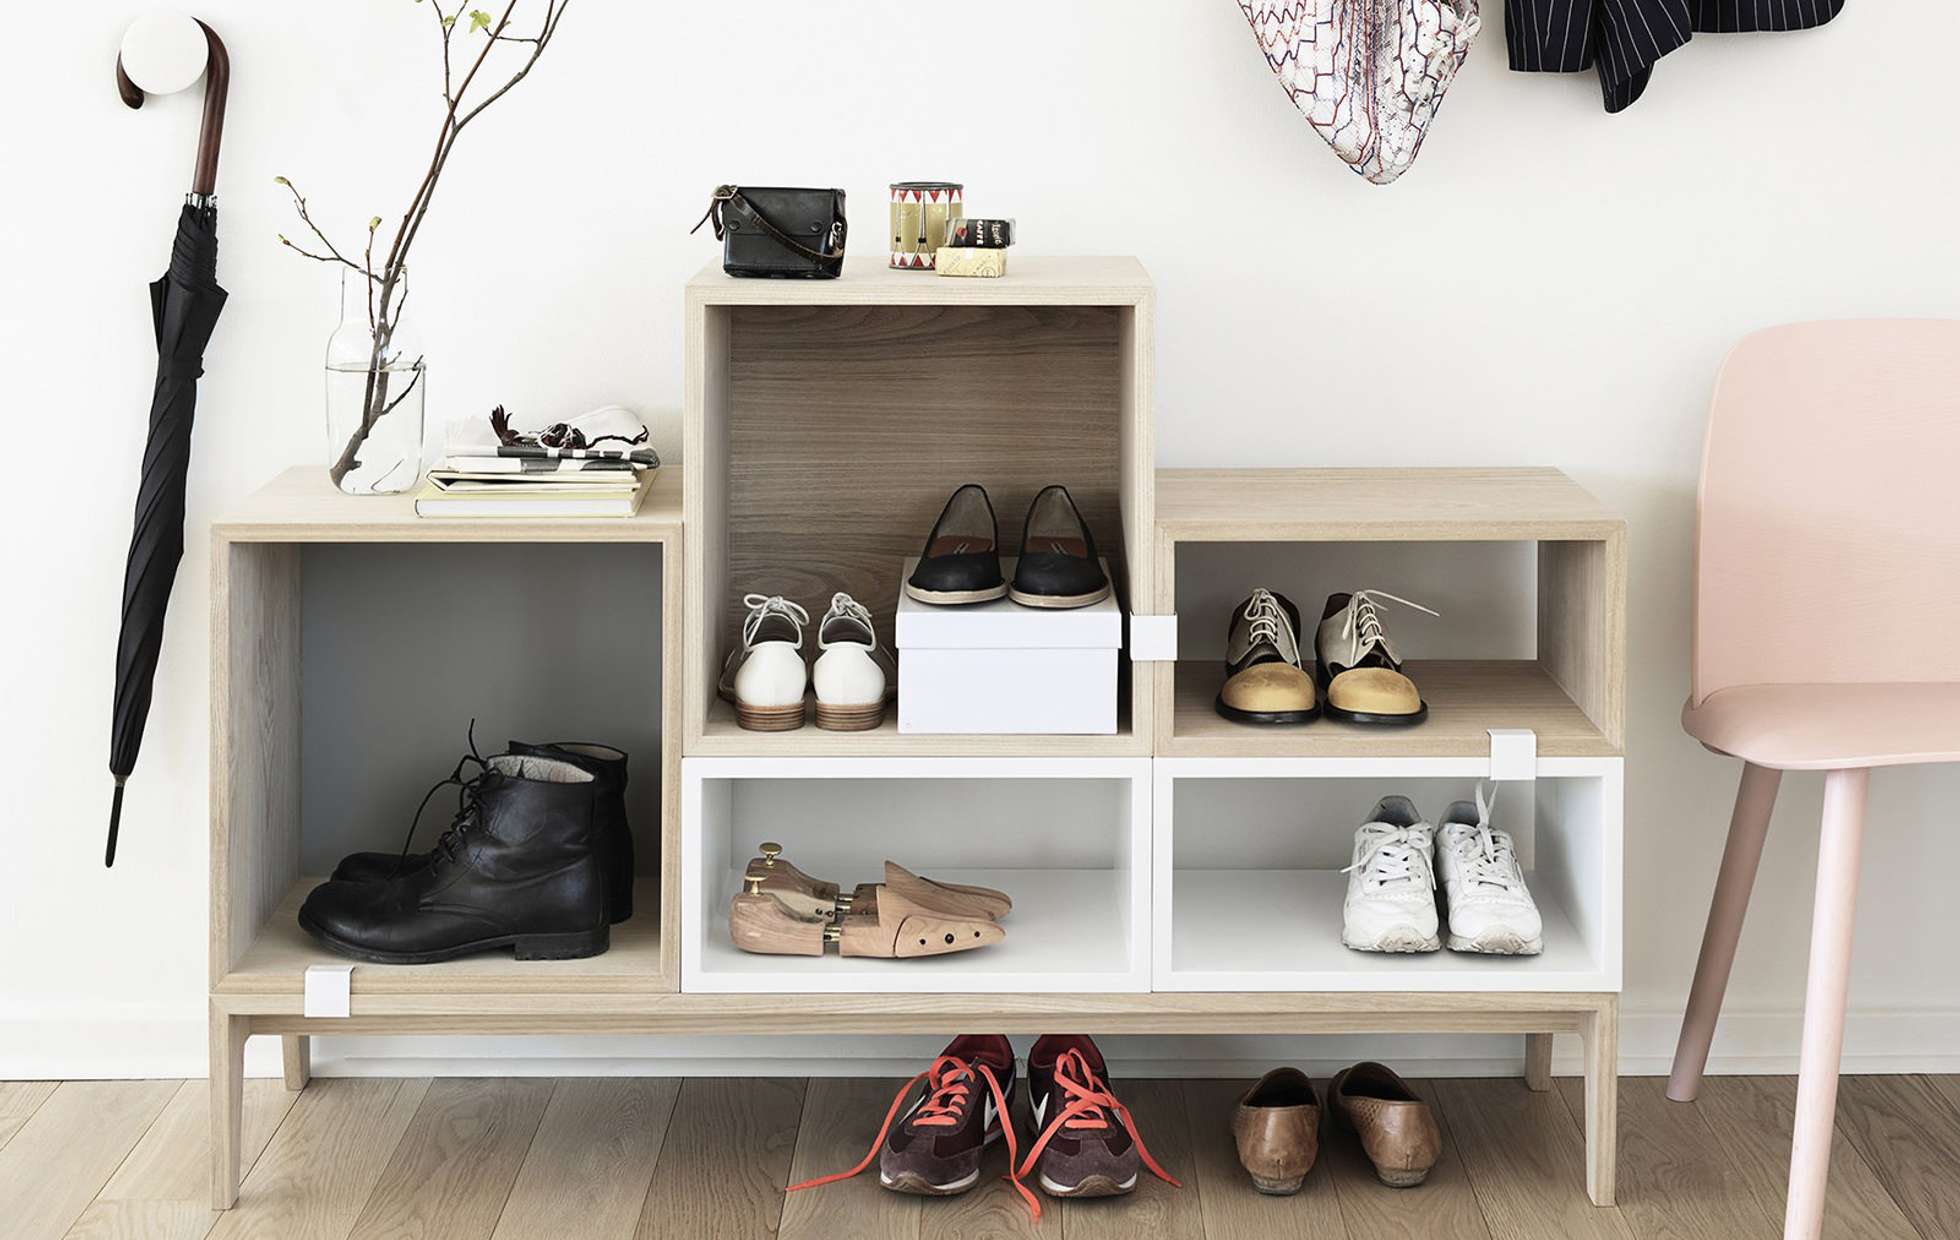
[1264, 681]
[1360, 673]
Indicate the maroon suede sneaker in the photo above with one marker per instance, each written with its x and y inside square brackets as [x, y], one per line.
[1086, 1144]
[935, 1149]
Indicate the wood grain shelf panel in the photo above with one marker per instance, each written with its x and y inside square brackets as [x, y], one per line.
[1465, 699]
[723, 737]
[1025, 1012]
[300, 505]
[1360, 505]
[1031, 280]
[277, 960]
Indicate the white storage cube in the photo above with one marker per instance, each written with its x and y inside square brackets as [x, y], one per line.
[1248, 890]
[1000, 667]
[1067, 839]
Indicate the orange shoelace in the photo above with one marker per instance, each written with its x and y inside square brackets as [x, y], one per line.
[1088, 1098]
[949, 1090]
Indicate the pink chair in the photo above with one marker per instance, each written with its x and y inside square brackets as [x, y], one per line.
[1827, 606]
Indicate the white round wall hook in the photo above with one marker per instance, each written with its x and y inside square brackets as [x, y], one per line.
[164, 52]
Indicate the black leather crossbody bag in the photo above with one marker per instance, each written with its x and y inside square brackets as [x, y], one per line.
[778, 232]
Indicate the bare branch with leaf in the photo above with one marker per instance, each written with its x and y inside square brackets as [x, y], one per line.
[388, 285]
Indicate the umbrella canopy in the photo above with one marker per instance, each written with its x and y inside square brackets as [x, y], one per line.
[184, 306]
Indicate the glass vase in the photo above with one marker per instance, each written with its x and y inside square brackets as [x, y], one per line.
[377, 384]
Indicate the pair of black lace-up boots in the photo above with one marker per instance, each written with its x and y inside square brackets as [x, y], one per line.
[538, 858]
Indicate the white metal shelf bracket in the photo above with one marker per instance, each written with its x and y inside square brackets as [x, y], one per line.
[1153, 639]
[1513, 753]
[328, 991]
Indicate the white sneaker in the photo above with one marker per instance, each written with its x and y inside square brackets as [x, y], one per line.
[766, 677]
[1391, 893]
[851, 674]
[1489, 908]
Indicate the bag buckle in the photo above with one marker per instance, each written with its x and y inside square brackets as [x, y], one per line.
[722, 194]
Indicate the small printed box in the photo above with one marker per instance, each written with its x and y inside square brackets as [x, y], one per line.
[970, 261]
[999, 667]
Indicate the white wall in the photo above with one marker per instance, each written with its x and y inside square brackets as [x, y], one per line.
[1549, 285]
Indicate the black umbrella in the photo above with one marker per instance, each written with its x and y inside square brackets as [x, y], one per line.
[184, 306]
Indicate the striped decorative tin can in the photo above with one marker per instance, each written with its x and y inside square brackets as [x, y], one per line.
[921, 211]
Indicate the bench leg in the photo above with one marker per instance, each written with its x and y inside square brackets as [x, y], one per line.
[228, 1035]
[1538, 1061]
[1602, 1035]
[296, 1050]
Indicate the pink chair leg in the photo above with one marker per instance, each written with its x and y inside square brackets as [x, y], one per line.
[1754, 800]
[1823, 1005]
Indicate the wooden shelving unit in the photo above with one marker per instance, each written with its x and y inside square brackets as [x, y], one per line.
[259, 956]
[824, 424]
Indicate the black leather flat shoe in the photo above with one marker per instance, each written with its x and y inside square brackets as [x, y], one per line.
[1058, 565]
[961, 560]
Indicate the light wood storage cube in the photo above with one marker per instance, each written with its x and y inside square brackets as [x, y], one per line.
[260, 786]
[1068, 840]
[1249, 889]
[827, 421]
[1570, 691]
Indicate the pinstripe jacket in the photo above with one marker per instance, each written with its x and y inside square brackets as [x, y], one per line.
[1625, 37]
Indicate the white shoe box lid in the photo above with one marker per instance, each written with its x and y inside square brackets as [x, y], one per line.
[1004, 623]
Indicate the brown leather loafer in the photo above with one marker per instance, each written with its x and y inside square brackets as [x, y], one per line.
[1397, 1130]
[1277, 1128]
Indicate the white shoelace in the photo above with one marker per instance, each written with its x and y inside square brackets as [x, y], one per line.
[844, 607]
[1394, 855]
[1269, 624]
[1487, 858]
[1362, 615]
[762, 606]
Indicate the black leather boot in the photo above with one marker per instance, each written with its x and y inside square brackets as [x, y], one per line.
[518, 868]
[607, 765]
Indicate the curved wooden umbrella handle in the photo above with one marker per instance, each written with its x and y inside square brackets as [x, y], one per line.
[217, 84]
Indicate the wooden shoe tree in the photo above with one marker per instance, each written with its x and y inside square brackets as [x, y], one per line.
[890, 926]
[797, 890]
[965, 899]
[805, 894]
[900, 929]
[952, 899]
[760, 921]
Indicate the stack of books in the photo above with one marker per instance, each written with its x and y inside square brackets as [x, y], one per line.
[497, 474]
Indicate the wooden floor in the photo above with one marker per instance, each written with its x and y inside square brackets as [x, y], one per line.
[597, 1158]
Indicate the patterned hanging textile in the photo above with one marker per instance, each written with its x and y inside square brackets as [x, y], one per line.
[1368, 75]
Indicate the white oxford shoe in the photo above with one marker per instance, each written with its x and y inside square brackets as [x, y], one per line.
[766, 677]
[1488, 905]
[1391, 893]
[850, 677]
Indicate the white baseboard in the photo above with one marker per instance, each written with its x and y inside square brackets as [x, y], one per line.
[143, 1042]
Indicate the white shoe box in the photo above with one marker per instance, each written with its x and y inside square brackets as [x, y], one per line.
[1000, 667]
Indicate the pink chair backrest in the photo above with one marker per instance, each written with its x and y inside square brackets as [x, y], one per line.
[1828, 550]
